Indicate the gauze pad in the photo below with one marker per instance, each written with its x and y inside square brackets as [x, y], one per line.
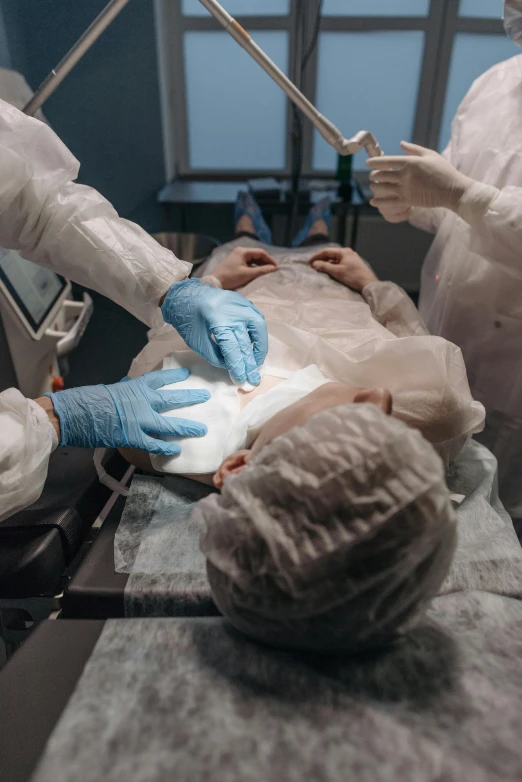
[229, 427]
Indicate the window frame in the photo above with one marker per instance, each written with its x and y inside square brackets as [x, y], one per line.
[440, 26]
[454, 24]
[171, 26]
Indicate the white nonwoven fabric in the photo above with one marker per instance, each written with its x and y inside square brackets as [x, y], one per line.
[471, 286]
[373, 340]
[26, 442]
[70, 228]
[229, 427]
[74, 231]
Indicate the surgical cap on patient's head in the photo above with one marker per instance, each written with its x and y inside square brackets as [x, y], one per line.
[334, 536]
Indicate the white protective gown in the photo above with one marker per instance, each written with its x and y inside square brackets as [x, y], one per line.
[375, 340]
[74, 231]
[471, 289]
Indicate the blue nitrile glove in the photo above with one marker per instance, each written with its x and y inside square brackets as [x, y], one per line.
[222, 326]
[125, 414]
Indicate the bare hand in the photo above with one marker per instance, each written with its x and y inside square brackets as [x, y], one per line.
[345, 266]
[242, 266]
[46, 404]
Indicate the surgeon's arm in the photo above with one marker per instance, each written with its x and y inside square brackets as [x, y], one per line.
[423, 178]
[72, 229]
[428, 220]
[497, 234]
[491, 217]
[27, 438]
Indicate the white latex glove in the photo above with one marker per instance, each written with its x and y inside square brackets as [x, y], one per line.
[424, 179]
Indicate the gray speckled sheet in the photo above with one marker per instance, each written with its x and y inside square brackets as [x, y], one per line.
[157, 541]
[489, 555]
[188, 700]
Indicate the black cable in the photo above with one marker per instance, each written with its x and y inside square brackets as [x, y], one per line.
[315, 37]
[297, 166]
[297, 131]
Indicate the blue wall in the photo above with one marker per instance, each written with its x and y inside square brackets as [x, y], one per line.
[5, 57]
[107, 110]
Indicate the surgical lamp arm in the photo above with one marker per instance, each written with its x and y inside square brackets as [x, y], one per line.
[326, 128]
[82, 45]
[331, 134]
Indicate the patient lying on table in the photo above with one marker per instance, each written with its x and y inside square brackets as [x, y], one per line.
[329, 319]
[334, 524]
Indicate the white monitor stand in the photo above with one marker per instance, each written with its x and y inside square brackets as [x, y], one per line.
[41, 322]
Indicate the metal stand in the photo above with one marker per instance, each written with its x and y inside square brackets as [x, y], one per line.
[18, 618]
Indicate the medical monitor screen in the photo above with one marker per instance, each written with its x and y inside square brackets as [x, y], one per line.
[33, 288]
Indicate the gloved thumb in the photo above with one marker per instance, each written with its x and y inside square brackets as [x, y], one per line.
[414, 149]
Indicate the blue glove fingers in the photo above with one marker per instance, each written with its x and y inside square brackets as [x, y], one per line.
[159, 447]
[245, 344]
[163, 377]
[259, 337]
[170, 400]
[232, 356]
[177, 427]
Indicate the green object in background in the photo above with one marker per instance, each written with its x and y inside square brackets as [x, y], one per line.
[344, 168]
[344, 176]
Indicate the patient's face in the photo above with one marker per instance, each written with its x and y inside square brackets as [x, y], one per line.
[329, 395]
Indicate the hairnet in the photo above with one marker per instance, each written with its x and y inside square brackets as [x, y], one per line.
[513, 20]
[335, 534]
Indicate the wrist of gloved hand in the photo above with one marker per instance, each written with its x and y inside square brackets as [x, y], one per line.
[475, 201]
[168, 307]
[77, 422]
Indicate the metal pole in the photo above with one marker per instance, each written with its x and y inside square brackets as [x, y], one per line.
[326, 128]
[297, 126]
[82, 45]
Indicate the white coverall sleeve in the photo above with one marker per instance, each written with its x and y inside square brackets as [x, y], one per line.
[26, 441]
[427, 220]
[72, 229]
[497, 235]
[391, 306]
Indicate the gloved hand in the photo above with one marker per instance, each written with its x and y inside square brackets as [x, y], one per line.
[424, 179]
[223, 327]
[125, 414]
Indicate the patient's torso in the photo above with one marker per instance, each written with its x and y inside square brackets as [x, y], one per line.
[314, 321]
[299, 296]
